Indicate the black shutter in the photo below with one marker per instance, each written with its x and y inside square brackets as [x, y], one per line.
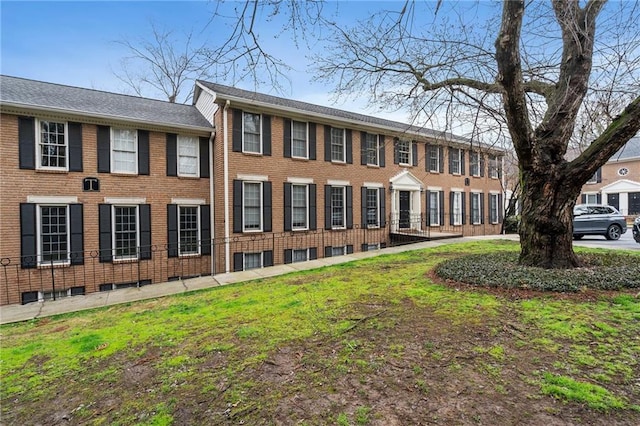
[75, 146]
[441, 159]
[328, 251]
[482, 209]
[500, 208]
[313, 214]
[266, 134]
[266, 205]
[383, 208]
[205, 230]
[363, 148]
[238, 262]
[451, 207]
[267, 258]
[598, 198]
[583, 198]
[287, 138]
[463, 205]
[287, 206]
[462, 166]
[441, 196]
[414, 153]
[204, 157]
[427, 156]
[327, 207]
[349, 195]
[237, 132]
[349, 146]
[396, 156]
[237, 206]
[143, 152]
[363, 207]
[313, 253]
[381, 151]
[364, 247]
[481, 156]
[27, 144]
[312, 141]
[104, 220]
[145, 231]
[28, 244]
[450, 152]
[288, 256]
[104, 149]
[350, 249]
[172, 154]
[327, 143]
[428, 204]
[172, 230]
[77, 234]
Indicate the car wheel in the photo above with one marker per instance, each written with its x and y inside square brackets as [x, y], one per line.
[613, 232]
[578, 237]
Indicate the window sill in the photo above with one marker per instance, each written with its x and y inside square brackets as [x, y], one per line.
[188, 177]
[124, 174]
[373, 166]
[251, 231]
[339, 163]
[338, 228]
[54, 265]
[127, 260]
[300, 158]
[53, 171]
[189, 255]
[252, 154]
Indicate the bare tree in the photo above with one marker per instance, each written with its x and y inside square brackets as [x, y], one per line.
[541, 76]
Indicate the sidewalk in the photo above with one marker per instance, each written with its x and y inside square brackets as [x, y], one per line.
[16, 313]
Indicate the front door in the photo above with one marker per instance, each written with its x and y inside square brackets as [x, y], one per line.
[405, 209]
[614, 200]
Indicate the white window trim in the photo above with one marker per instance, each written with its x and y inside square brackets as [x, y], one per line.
[260, 143]
[437, 209]
[39, 254]
[471, 163]
[125, 201]
[372, 185]
[474, 195]
[377, 225]
[41, 294]
[333, 182]
[377, 149]
[590, 194]
[299, 181]
[111, 152]
[187, 201]
[342, 248]
[293, 255]
[493, 171]
[306, 157]
[344, 145]
[113, 233]
[198, 230]
[254, 178]
[436, 149]
[457, 218]
[244, 260]
[459, 172]
[181, 139]
[39, 165]
[344, 207]
[52, 199]
[409, 157]
[261, 216]
[306, 190]
[493, 198]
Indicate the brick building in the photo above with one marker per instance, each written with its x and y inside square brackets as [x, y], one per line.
[101, 191]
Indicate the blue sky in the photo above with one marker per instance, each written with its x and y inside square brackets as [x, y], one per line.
[74, 43]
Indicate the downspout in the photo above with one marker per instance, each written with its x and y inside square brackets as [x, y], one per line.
[212, 202]
[225, 131]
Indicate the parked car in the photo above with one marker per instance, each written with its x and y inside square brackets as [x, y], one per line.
[595, 219]
[636, 229]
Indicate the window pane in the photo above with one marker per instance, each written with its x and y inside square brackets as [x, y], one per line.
[455, 161]
[475, 208]
[124, 150]
[252, 132]
[372, 207]
[404, 152]
[338, 251]
[53, 151]
[188, 232]
[188, 148]
[371, 145]
[125, 232]
[53, 233]
[299, 206]
[300, 255]
[252, 206]
[457, 208]
[252, 261]
[299, 139]
[337, 206]
[337, 144]
[434, 159]
[434, 208]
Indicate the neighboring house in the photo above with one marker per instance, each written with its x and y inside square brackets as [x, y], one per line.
[617, 182]
[101, 191]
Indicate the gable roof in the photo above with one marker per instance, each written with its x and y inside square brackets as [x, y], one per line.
[223, 93]
[630, 150]
[38, 95]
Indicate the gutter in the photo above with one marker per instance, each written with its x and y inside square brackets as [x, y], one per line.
[225, 133]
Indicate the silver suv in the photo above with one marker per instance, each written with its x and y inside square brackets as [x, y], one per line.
[595, 219]
[636, 229]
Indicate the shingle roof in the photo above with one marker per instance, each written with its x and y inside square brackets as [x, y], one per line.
[225, 92]
[20, 92]
[630, 150]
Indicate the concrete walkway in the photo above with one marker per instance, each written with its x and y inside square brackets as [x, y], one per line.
[16, 313]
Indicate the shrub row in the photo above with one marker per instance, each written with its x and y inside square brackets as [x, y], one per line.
[602, 271]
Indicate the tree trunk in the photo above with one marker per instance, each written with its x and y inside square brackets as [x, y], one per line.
[546, 226]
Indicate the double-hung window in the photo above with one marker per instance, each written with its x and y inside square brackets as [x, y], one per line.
[252, 206]
[338, 145]
[494, 169]
[53, 237]
[434, 159]
[434, 207]
[299, 207]
[474, 163]
[300, 255]
[124, 151]
[456, 160]
[493, 208]
[338, 207]
[52, 145]
[189, 230]
[125, 232]
[404, 152]
[591, 198]
[371, 143]
[252, 261]
[299, 139]
[373, 207]
[476, 208]
[456, 206]
[188, 156]
[338, 251]
[251, 132]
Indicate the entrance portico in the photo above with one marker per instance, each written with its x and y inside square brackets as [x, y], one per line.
[406, 206]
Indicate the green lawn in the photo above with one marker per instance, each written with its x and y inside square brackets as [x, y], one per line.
[368, 342]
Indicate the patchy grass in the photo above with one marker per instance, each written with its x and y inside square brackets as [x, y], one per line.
[370, 342]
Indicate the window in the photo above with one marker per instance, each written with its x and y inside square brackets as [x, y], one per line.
[434, 208]
[623, 171]
[54, 234]
[338, 145]
[455, 160]
[251, 133]
[373, 208]
[494, 167]
[434, 159]
[299, 207]
[337, 207]
[338, 251]
[252, 261]
[474, 164]
[188, 156]
[493, 208]
[124, 151]
[52, 145]
[404, 152]
[456, 207]
[597, 177]
[371, 146]
[252, 206]
[476, 208]
[188, 233]
[591, 198]
[299, 140]
[301, 255]
[125, 232]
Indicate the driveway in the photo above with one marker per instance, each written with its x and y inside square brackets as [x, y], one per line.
[625, 242]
